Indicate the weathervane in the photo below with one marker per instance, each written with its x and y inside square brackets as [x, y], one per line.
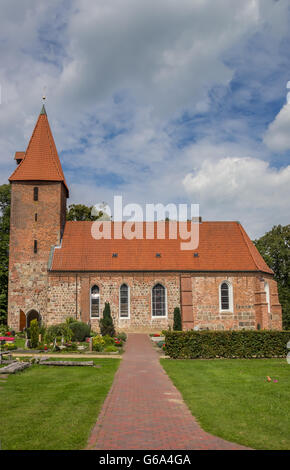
[44, 95]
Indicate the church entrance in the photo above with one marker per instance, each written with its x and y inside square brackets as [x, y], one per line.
[32, 315]
[22, 320]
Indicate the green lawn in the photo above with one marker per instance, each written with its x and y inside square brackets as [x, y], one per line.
[53, 407]
[233, 400]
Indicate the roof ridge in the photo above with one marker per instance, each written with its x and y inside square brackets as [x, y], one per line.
[245, 238]
[49, 140]
[247, 244]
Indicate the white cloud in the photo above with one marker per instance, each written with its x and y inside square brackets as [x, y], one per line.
[245, 189]
[277, 137]
[117, 73]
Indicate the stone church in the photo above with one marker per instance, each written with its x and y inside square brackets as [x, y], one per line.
[58, 270]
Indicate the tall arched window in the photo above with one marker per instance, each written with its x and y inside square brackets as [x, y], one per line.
[226, 296]
[95, 302]
[159, 301]
[267, 290]
[124, 301]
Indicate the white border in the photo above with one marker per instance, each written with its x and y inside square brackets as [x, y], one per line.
[231, 300]
[93, 285]
[129, 309]
[268, 297]
[166, 309]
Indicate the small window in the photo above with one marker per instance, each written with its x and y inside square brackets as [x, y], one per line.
[226, 296]
[124, 301]
[158, 301]
[35, 246]
[35, 194]
[95, 302]
[267, 290]
[225, 300]
[35, 217]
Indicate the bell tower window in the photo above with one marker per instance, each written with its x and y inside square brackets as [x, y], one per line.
[35, 194]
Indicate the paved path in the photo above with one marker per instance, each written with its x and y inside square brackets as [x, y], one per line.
[144, 410]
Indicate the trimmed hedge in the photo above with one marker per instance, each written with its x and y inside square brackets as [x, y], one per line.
[226, 344]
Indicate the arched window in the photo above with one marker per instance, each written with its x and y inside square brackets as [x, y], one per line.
[267, 290]
[95, 302]
[124, 301]
[226, 296]
[159, 301]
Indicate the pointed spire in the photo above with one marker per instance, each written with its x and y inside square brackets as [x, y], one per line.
[41, 161]
[43, 110]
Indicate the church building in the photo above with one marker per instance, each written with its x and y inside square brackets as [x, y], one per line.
[58, 270]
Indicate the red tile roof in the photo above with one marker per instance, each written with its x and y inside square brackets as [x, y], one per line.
[223, 246]
[41, 161]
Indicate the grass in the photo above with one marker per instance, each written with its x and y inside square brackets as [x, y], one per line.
[52, 408]
[20, 342]
[233, 400]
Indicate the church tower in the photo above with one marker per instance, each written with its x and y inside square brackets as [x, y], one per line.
[38, 211]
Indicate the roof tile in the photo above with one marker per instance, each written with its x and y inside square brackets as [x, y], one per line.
[41, 161]
[223, 246]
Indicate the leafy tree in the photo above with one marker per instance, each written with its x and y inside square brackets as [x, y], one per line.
[80, 212]
[274, 246]
[106, 323]
[177, 325]
[5, 197]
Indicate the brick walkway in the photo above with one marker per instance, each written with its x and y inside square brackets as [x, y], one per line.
[144, 410]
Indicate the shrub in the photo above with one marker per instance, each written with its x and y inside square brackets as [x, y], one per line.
[34, 334]
[227, 344]
[98, 343]
[109, 341]
[80, 330]
[177, 325]
[111, 349]
[106, 323]
[52, 332]
[3, 329]
[122, 336]
[9, 346]
[71, 346]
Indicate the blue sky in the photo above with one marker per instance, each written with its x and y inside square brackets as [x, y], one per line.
[159, 101]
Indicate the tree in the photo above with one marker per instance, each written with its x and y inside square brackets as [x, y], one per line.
[5, 198]
[34, 334]
[177, 325]
[106, 323]
[80, 212]
[274, 246]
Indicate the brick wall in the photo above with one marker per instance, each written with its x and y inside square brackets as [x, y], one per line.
[28, 277]
[70, 296]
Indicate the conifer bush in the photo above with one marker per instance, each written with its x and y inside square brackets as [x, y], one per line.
[106, 323]
[177, 325]
[34, 334]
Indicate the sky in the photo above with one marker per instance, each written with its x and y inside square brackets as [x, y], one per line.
[160, 101]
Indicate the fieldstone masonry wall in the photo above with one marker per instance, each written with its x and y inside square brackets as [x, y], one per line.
[69, 295]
